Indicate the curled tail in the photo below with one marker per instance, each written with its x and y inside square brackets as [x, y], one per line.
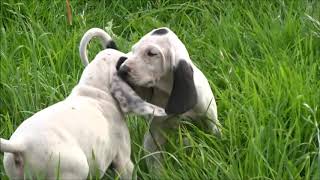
[107, 42]
[11, 147]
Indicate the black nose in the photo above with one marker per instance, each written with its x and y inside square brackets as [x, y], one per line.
[123, 71]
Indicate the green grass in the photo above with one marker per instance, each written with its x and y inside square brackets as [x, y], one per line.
[262, 60]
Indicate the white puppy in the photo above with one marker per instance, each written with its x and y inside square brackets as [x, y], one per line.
[82, 134]
[161, 61]
[160, 69]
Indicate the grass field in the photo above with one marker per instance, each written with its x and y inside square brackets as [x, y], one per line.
[262, 60]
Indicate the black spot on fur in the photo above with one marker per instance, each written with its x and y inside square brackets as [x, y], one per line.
[112, 45]
[120, 61]
[137, 102]
[161, 31]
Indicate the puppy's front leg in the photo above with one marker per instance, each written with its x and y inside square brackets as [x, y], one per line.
[155, 139]
[124, 167]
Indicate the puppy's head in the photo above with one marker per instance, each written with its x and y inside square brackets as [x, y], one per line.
[161, 56]
[147, 63]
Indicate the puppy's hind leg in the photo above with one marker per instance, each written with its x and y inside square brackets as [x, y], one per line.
[69, 163]
[14, 165]
[208, 119]
[211, 123]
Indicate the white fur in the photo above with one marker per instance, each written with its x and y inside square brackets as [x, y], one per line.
[82, 134]
[157, 71]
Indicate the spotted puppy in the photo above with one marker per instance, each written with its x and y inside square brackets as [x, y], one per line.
[159, 60]
[82, 134]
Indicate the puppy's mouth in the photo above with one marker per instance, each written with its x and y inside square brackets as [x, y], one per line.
[127, 75]
[135, 81]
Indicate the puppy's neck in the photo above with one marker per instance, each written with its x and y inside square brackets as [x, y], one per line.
[98, 74]
[95, 81]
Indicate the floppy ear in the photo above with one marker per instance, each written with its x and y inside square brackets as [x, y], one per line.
[120, 61]
[129, 101]
[183, 95]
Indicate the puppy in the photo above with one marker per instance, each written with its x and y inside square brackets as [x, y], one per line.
[82, 134]
[161, 61]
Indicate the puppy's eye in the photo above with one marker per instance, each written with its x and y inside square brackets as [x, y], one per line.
[151, 54]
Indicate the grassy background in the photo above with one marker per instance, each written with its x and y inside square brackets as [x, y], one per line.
[262, 60]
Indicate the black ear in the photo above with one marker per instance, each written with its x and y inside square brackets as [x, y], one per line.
[112, 45]
[120, 61]
[183, 95]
